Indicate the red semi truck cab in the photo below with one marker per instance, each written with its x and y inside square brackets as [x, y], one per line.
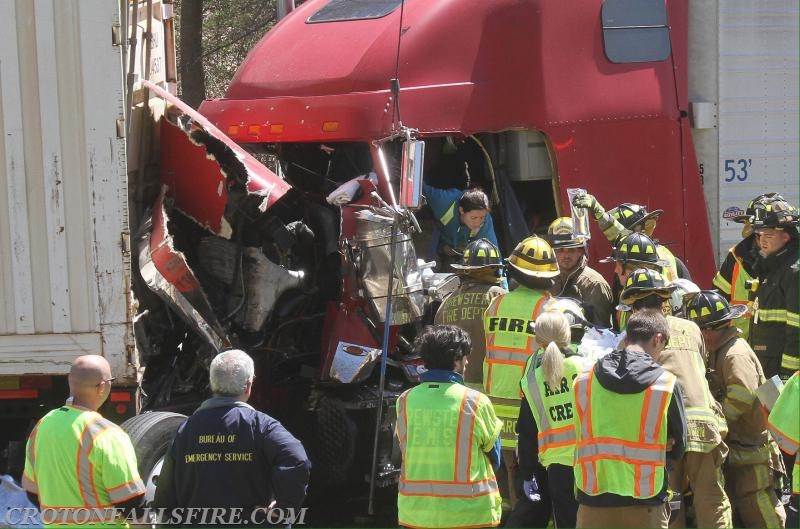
[541, 96]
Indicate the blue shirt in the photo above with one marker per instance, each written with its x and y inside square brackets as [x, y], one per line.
[444, 375]
[444, 203]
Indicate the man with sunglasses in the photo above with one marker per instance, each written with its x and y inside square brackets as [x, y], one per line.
[80, 467]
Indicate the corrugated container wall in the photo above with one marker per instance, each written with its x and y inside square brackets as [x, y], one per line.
[64, 265]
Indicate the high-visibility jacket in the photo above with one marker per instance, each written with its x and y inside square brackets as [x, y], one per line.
[731, 280]
[784, 426]
[444, 431]
[554, 409]
[510, 341]
[624, 457]
[79, 464]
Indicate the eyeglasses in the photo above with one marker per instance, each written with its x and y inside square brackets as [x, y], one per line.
[109, 380]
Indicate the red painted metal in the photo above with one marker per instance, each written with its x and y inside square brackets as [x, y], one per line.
[468, 66]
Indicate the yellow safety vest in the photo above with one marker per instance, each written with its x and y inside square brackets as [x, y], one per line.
[737, 290]
[785, 427]
[554, 410]
[510, 341]
[78, 478]
[444, 431]
[617, 455]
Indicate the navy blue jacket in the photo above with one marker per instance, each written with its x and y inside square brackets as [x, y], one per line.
[227, 454]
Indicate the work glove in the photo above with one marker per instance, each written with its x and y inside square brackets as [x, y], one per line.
[531, 488]
[588, 201]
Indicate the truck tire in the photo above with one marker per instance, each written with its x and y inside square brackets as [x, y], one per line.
[151, 434]
[333, 446]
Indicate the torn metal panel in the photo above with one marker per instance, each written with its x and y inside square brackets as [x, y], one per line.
[167, 273]
[199, 164]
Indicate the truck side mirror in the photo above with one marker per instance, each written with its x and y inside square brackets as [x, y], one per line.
[411, 174]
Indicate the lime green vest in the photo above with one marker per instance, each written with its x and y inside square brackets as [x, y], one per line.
[447, 480]
[80, 464]
[618, 454]
[510, 341]
[785, 426]
[554, 409]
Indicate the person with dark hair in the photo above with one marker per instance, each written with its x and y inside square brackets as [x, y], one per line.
[735, 375]
[684, 356]
[461, 216]
[620, 465]
[449, 440]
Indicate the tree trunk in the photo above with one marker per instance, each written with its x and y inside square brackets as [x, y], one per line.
[192, 78]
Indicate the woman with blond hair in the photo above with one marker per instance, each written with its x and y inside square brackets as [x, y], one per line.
[545, 424]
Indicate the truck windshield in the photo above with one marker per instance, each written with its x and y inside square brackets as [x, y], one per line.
[342, 10]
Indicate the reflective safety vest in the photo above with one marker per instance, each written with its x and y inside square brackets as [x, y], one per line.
[737, 290]
[80, 464]
[621, 455]
[510, 340]
[785, 427]
[670, 271]
[444, 431]
[553, 409]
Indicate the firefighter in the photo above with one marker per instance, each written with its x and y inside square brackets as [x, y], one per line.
[461, 216]
[627, 218]
[734, 375]
[546, 415]
[785, 429]
[448, 436]
[76, 459]
[481, 273]
[510, 339]
[774, 329]
[632, 251]
[576, 279]
[684, 356]
[620, 474]
[734, 278]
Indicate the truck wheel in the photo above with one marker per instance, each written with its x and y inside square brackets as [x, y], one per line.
[333, 446]
[151, 434]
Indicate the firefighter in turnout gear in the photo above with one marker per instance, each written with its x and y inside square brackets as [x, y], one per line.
[576, 279]
[635, 250]
[449, 440]
[734, 375]
[620, 465]
[785, 429]
[510, 339]
[684, 356]
[735, 275]
[774, 329]
[627, 218]
[480, 272]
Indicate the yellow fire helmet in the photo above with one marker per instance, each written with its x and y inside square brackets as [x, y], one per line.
[535, 258]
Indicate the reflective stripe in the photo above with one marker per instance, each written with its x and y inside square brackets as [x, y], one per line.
[721, 284]
[548, 436]
[453, 490]
[466, 425]
[654, 411]
[740, 393]
[613, 449]
[792, 319]
[448, 215]
[29, 482]
[790, 362]
[773, 315]
[583, 391]
[786, 443]
[126, 491]
[401, 427]
[85, 467]
[507, 354]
